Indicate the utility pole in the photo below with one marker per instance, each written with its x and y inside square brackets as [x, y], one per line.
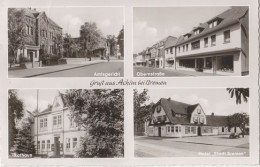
[37, 123]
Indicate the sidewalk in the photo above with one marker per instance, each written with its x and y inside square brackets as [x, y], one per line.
[26, 73]
[193, 73]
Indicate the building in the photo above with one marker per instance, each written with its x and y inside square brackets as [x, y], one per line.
[218, 46]
[169, 52]
[139, 59]
[176, 119]
[55, 133]
[41, 32]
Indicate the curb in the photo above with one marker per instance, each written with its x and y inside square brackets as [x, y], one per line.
[29, 76]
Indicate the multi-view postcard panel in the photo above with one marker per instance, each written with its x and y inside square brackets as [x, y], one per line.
[71, 123]
[66, 42]
[204, 122]
[191, 41]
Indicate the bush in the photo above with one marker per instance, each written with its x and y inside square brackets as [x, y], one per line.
[62, 61]
[24, 59]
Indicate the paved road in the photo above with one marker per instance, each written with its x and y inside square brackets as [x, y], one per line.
[111, 69]
[169, 147]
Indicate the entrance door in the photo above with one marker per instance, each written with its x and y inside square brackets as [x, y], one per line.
[159, 131]
[31, 56]
[56, 147]
[200, 64]
[199, 131]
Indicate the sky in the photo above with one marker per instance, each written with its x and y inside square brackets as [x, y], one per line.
[45, 97]
[152, 24]
[212, 100]
[109, 20]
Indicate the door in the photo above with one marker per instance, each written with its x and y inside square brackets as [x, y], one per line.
[199, 131]
[200, 64]
[56, 146]
[159, 131]
[31, 56]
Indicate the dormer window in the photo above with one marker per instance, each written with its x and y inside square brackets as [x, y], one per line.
[197, 30]
[186, 36]
[214, 22]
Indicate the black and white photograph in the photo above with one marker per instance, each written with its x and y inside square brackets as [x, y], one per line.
[191, 41]
[66, 123]
[66, 42]
[201, 122]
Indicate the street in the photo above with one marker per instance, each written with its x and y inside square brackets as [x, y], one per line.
[90, 69]
[106, 68]
[162, 72]
[202, 146]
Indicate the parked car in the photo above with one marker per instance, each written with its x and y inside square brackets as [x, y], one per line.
[234, 136]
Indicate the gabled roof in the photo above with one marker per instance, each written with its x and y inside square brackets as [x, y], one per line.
[214, 120]
[171, 41]
[170, 106]
[228, 17]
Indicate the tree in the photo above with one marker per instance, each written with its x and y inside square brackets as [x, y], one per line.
[239, 120]
[58, 42]
[111, 40]
[16, 33]
[15, 113]
[23, 141]
[239, 93]
[90, 37]
[67, 45]
[121, 41]
[142, 112]
[99, 113]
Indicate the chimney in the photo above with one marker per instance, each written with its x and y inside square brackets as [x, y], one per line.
[212, 114]
[169, 99]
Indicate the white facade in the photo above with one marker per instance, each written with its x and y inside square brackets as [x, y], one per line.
[57, 134]
[161, 125]
[170, 57]
[222, 56]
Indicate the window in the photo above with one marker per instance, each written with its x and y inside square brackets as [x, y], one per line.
[176, 129]
[45, 122]
[27, 30]
[197, 32]
[223, 129]
[202, 120]
[193, 130]
[43, 144]
[171, 50]
[213, 24]
[226, 63]
[195, 119]
[54, 120]
[187, 129]
[59, 119]
[188, 63]
[195, 45]
[213, 40]
[168, 129]
[48, 144]
[179, 129]
[41, 123]
[68, 144]
[183, 48]
[206, 42]
[227, 36]
[75, 141]
[38, 145]
[172, 129]
[208, 62]
[31, 30]
[187, 47]
[179, 49]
